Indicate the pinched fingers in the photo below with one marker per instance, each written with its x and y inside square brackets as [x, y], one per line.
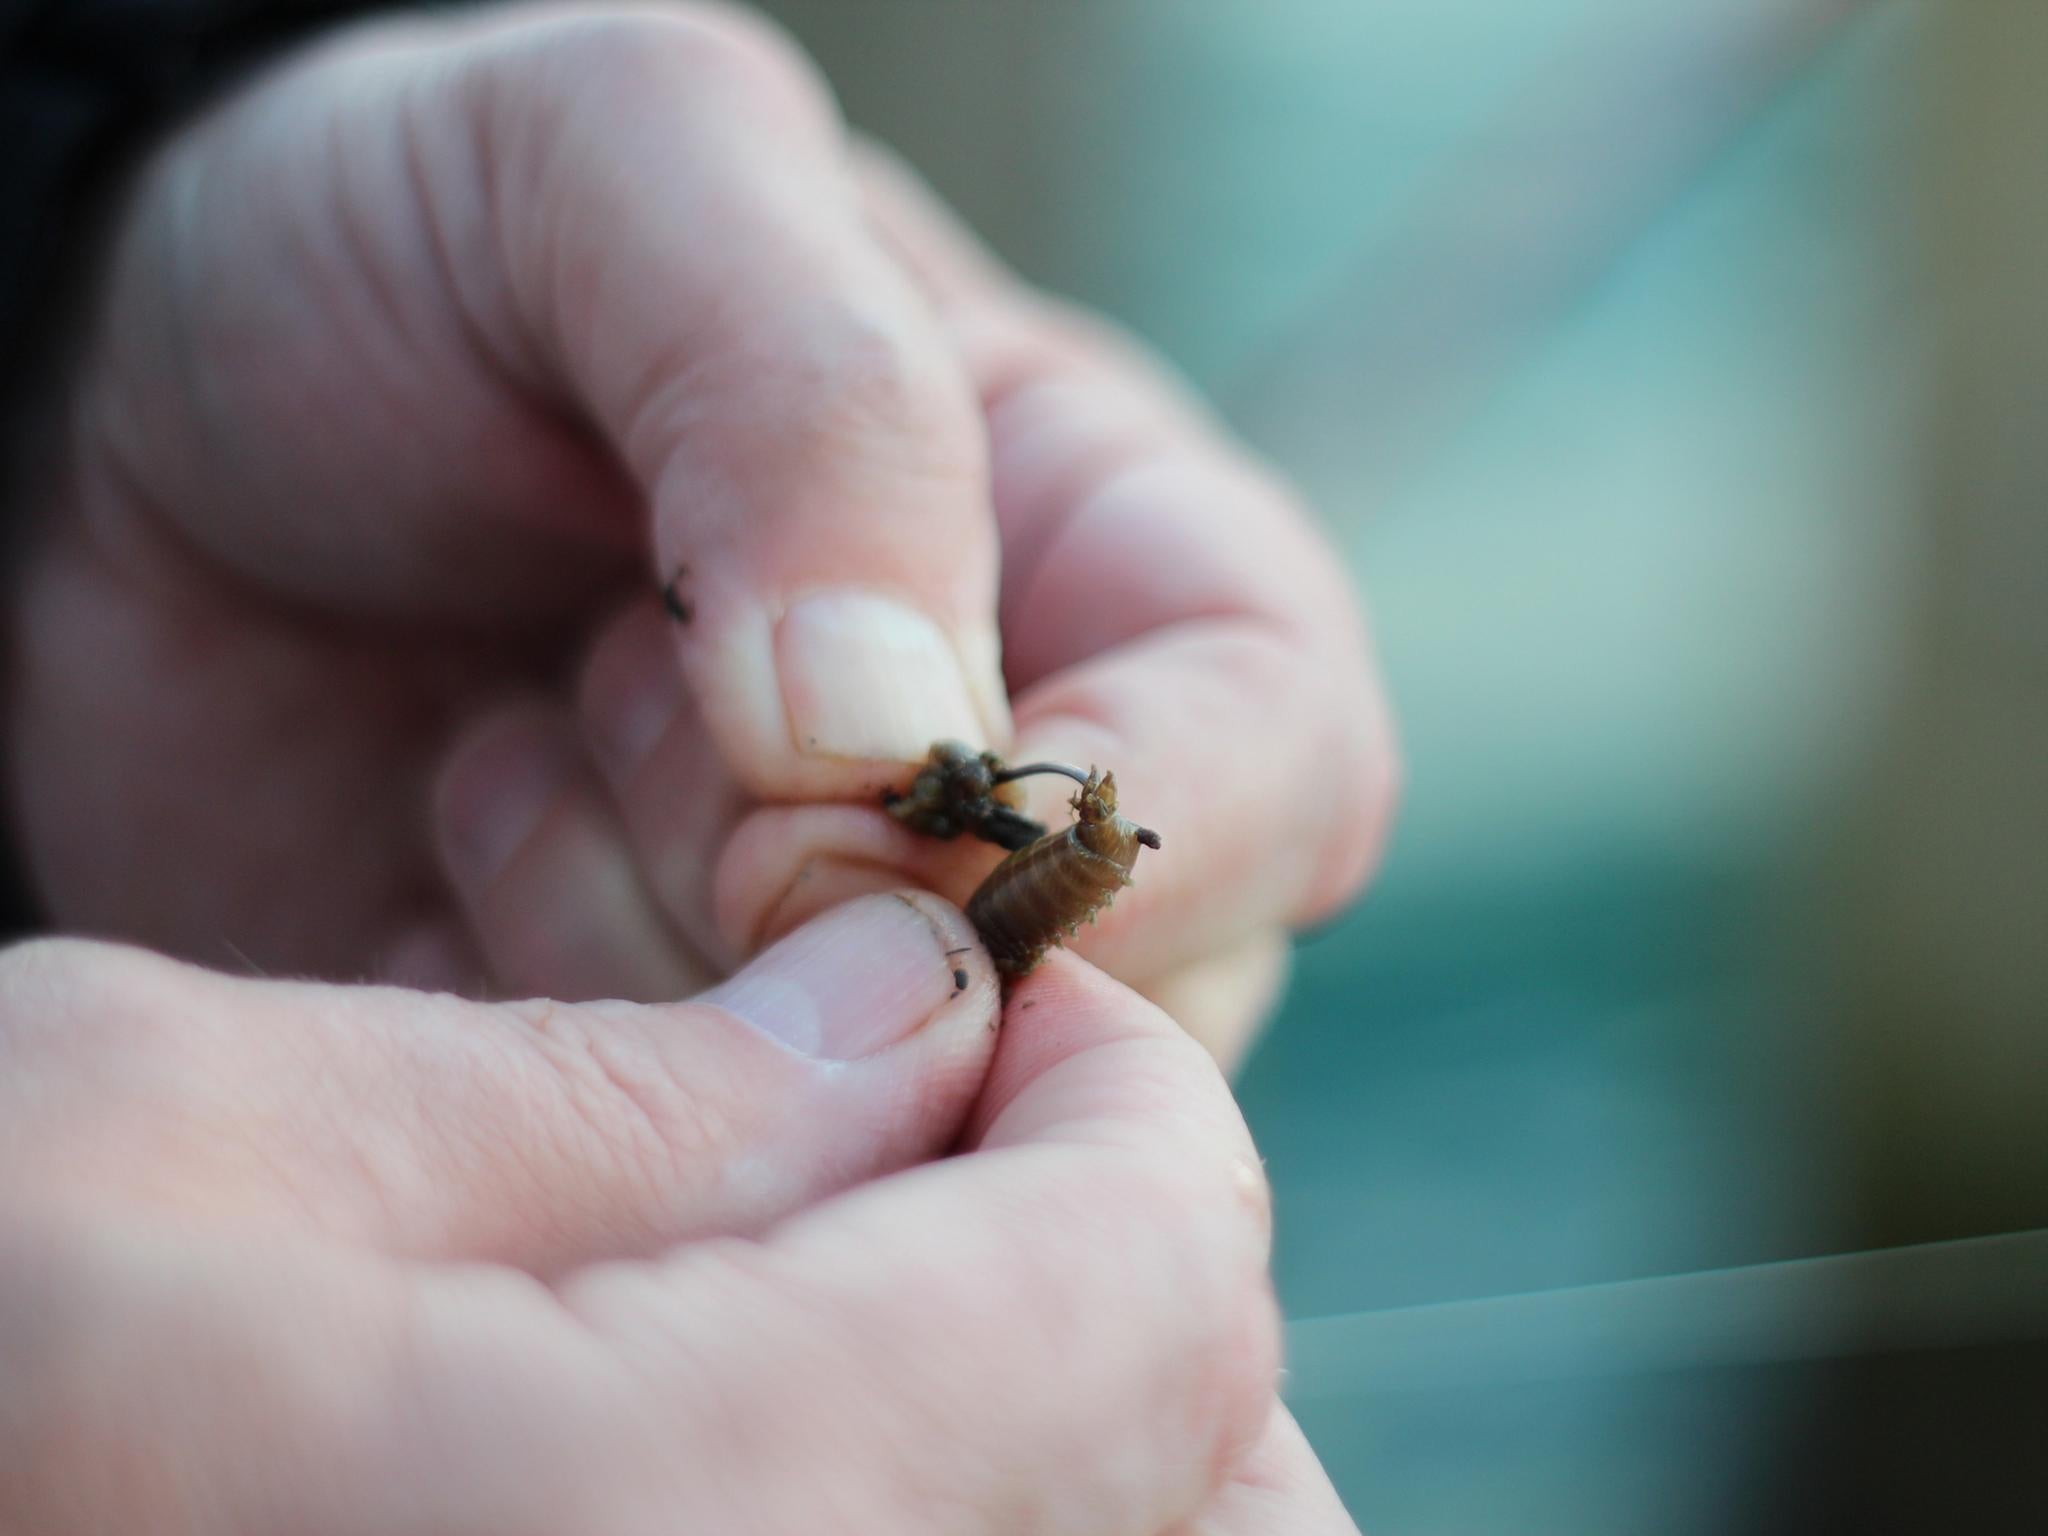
[821, 498]
[1066, 1330]
[1165, 597]
[1169, 612]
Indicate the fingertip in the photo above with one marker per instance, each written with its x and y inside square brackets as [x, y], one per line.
[1067, 1008]
[784, 864]
[869, 975]
[1060, 1008]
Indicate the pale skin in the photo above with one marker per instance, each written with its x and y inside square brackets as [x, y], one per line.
[289, 1256]
[417, 368]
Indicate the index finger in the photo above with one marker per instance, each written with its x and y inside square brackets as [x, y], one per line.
[1170, 611]
[685, 254]
[1170, 608]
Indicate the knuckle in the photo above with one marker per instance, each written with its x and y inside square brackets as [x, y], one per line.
[571, 84]
[871, 380]
[700, 49]
[849, 388]
[628, 1102]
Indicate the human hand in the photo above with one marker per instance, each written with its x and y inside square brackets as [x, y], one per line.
[430, 355]
[355, 1259]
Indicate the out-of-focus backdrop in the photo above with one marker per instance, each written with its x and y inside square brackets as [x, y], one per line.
[1658, 1147]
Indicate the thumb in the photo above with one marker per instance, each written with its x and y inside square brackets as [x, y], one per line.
[537, 1134]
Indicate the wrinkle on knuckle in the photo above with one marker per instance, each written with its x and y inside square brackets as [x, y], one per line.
[837, 390]
[839, 384]
[885, 379]
[627, 1104]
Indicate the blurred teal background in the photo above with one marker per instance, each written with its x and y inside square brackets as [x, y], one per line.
[1669, 375]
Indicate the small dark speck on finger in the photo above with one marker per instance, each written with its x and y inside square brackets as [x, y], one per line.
[673, 600]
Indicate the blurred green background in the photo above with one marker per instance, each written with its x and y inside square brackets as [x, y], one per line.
[1669, 374]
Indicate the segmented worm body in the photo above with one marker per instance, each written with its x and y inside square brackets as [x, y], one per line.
[1040, 895]
[1051, 883]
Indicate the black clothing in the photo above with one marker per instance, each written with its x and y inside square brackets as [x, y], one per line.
[85, 86]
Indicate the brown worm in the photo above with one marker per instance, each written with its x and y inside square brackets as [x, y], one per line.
[1040, 895]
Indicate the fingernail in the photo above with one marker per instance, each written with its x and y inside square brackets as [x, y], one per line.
[856, 981]
[494, 795]
[864, 676]
[982, 656]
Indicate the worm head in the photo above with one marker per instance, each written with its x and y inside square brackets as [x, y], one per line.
[1095, 807]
